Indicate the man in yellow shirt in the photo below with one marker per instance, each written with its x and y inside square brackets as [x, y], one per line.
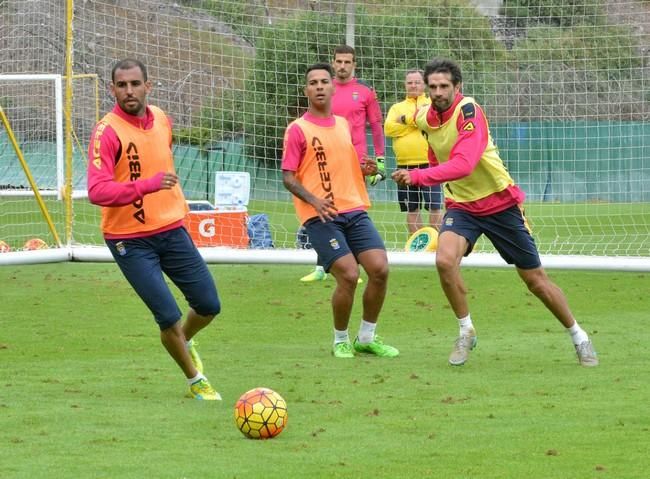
[410, 149]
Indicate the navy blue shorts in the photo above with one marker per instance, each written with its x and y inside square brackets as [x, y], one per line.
[347, 233]
[508, 231]
[412, 198]
[143, 262]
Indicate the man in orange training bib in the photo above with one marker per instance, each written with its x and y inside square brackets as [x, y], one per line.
[131, 176]
[321, 169]
[356, 101]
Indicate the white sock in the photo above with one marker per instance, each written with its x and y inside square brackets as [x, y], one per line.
[578, 335]
[341, 336]
[196, 378]
[367, 332]
[319, 268]
[465, 324]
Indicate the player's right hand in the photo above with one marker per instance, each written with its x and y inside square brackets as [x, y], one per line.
[401, 177]
[325, 209]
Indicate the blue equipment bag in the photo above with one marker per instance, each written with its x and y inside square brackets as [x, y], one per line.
[259, 232]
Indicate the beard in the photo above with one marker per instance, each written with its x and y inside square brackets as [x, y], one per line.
[132, 106]
[441, 105]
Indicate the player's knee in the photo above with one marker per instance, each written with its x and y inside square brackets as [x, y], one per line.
[214, 309]
[166, 321]
[540, 287]
[209, 308]
[445, 262]
[348, 277]
[537, 282]
[378, 272]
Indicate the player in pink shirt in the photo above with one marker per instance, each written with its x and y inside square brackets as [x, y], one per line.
[481, 199]
[356, 101]
[131, 175]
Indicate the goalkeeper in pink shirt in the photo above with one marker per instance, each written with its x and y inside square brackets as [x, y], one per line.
[356, 101]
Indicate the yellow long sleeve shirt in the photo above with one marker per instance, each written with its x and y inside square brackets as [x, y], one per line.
[409, 145]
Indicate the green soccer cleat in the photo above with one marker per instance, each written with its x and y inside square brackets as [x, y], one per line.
[316, 275]
[194, 355]
[462, 346]
[202, 390]
[376, 347]
[343, 350]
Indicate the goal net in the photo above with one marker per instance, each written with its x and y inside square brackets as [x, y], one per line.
[564, 84]
[32, 154]
[34, 114]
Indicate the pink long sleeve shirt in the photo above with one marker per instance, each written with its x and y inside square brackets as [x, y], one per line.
[357, 103]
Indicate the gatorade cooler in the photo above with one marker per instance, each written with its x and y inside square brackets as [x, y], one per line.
[224, 223]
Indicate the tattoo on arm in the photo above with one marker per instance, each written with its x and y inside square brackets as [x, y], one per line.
[295, 187]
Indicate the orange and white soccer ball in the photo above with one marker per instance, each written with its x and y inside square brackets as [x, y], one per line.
[261, 413]
[4, 247]
[34, 244]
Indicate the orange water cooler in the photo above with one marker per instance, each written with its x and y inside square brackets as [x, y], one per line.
[223, 223]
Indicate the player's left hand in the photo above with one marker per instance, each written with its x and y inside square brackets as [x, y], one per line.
[401, 177]
[168, 181]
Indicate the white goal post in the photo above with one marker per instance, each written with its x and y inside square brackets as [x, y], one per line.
[17, 87]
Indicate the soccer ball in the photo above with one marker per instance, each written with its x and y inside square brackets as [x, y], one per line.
[4, 247]
[34, 244]
[261, 413]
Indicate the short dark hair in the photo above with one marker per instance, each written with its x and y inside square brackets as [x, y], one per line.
[320, 66]
[443, 65]
[345, 49]
[127, 64]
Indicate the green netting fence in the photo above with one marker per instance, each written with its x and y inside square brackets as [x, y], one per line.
[568, 162]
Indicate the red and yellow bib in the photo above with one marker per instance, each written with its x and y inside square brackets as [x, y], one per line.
[490, 175]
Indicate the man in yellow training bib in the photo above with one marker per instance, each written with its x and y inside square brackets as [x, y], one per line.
[481, 198]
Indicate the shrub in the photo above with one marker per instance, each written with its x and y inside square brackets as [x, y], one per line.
[386, 44]
[555, 12]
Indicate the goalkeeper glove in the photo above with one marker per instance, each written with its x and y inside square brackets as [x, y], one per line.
[381, 171]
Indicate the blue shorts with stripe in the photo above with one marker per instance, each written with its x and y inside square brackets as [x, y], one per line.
[347, 233]
[507, 230]
[143, 262]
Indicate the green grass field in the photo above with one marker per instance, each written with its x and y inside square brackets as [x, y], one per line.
[86, 390]
[610, 229]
